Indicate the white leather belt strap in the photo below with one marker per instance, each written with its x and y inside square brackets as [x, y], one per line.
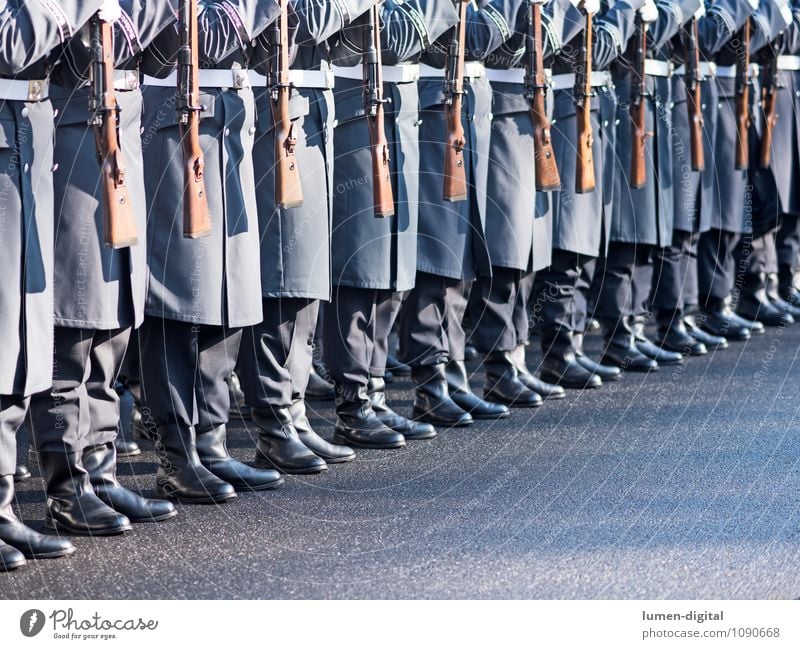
[229, 78]
[789, 62]
[514, 75]
[472, 70]
[24, 89]
[707, 70]
[658, 68]
[126, 79]
[566, 81]
[729, 71]
[405, 73]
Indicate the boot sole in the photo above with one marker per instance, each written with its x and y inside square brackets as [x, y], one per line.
[48, 555]
[261, 487]
[49, 523]
[511, 404]
[572, 386]
[153, 519]
[265, 464]
[343, 440]
[202, 500]
[138, 451]
[15, 565]
[459, 423]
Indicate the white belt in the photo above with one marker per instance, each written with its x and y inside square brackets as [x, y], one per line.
[729, 71]
[405, 73]
[238, 79]
[472, 70]
[658, 68]
[126, 79]
[514, 75]
[566, 81]
[322, 79]
[707, 70]
[24, 90]
[789, 62]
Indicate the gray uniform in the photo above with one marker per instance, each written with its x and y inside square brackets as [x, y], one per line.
[29, 30]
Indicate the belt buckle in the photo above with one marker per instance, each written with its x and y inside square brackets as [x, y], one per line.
[131, 80]
[240, 79]
[35, 89]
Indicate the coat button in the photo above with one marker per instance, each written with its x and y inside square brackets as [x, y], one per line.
[24, 112]
[251, 130]
[703, 106]
[26, 168]
[719, 105]
[227, 132]
[54, 169]
[671, 105]
[605, 122]
[616, 122]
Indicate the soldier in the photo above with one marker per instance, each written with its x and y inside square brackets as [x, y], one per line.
[29, 31]
[730, 220]
[202, 291]
[374, 259]
[581, 221]
[276, 357]
[99, 294]
[518, 230]
[451, 242]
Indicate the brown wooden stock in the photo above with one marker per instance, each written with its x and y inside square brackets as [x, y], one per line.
[694, 100]
[584, 164]
[383, 197]
[196, 217]
[288, 188]
[743, 98]
[119, 222]
[638, 110]
[547, 177]
[455, 177]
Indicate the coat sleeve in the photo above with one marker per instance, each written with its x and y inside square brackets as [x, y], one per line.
[319, 20]
[612, 31]
[769, 21]
[722, 20]
[672, 14]
[29, 29]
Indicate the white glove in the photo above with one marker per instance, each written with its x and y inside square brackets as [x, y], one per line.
[110, 11]
[701, 11]
[591, 6]
[649, 11]
[753, 4]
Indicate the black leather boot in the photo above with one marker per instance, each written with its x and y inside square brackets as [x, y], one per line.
[22, 472]
[432, 401]
[756, 327]
[470, 352]
[755, 305]
[238, 408]
[280, 446]
[789, 284]
[126, 447]
[715, 320]
[10, 558]
[318, 388]
[605, 372]
[138, 428]
[542, 388]
[466, 399]
[503, 384]
[711, 341]
[358, 425]
[212, 449]
[396, 366]
[774, 296]
[410, 429]
[621, 351]
[100, 462]
[72, 505]
[18, 535]
[181, 475]
[649, 348]
[674, 337]
[331, 453]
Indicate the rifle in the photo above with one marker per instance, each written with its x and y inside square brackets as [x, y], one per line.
[638, 110]
[547, 177]
[693, 97]
[119, 224]
[455, 178]
[769, 92]
[743, 97]
[383, 198]
[584, 166]
[288, 190]
[196, 218]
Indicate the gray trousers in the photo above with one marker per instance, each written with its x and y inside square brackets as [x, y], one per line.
[276, 355]
[497, 307]
[673, 278]
[431, 329]
[81, 409]
[185, 372]
[715, 267]
[12, 414]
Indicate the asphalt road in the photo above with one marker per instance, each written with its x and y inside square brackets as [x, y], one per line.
[683, 483]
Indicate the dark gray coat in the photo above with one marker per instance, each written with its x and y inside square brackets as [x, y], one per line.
[369, 252]
[645, 215]
[97, 287]
[581, 222]
[518, 235]
[296, 243]
[452, 240]
[26, 196]
[211, 280]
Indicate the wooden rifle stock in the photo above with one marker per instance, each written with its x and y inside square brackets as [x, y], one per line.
[455, 177]
[288, 188]
[694, 99]
[584, 164]
[383, 197]
[196, 217]
[547, 177]
[769, 92]
[638, 110]
[743, 98]
[119, 223]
